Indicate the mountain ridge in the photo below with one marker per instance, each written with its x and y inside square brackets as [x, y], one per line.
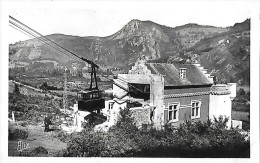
[137, 38]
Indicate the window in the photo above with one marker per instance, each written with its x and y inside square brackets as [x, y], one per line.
[173, 112]
[182, 72]
[195, 109]
[79, 95]
[110, 105]
[95, 94]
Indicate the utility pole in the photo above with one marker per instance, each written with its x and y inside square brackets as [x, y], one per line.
[65, 91]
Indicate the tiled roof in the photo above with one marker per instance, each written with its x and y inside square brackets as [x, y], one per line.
[194, 76]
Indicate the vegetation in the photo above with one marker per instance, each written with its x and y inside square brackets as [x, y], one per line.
[31, 108]
[241, 101]
[35, 152]
[192, 139]
[46, 87]
[17, 133]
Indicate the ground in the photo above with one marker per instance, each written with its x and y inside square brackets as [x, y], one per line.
[37, 137]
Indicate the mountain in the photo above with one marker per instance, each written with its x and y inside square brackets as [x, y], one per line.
[121, 49]
[227, 55]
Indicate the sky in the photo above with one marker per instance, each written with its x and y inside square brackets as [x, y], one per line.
[104, 18]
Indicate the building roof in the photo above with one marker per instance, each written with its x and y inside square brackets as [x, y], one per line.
[194, 76]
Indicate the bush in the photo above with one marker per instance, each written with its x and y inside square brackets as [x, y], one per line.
[17, 133]
[35, 152]
[63, 136]
[97, 144]
[241, 91]
[191, 139]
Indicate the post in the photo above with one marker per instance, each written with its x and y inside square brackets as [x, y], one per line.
[13, 116]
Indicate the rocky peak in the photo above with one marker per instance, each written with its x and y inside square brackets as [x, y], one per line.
[133, 28]
[134, 24]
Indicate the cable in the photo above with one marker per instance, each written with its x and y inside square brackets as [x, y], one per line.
[20, 30]
[42, 41]
[88, 61]
[39, 38]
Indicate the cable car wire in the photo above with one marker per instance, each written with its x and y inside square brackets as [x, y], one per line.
[39, 38]
[88, 61]
[34, 34]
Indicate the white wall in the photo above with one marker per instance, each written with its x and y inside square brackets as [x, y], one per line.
[105, 110]
[220, 105]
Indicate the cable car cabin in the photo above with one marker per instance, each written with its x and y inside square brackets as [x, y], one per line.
[90, 101]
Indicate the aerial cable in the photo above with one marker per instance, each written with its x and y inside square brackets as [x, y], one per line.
[42, 36]
[88, 61]
[18, 29]
[35, 33]
[39, 38]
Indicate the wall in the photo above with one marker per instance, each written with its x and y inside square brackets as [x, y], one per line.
[220, 105]
[156, 100]
[186, 90]
[156, 92]
[106, 110]
[236, 124]
[185, 104]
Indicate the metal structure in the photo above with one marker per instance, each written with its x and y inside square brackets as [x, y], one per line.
[89, 99]
[65, 93]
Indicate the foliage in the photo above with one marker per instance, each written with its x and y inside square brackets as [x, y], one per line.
[46, 87]
[17, 133]
[32, 108]
[35, 152]
[242, 101]
[63, 136]
[191, 139]
[159, 60]
[16, 89]
[241, 91]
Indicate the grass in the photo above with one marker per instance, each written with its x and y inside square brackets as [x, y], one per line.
[38, 138]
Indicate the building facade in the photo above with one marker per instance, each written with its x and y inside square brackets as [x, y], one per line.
[166, 94]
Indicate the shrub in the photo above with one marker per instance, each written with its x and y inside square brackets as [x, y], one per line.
[96, 144]
[63, 136]
[17, 133]
[191, 139]
[35, 152]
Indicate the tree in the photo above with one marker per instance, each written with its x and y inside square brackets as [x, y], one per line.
[241, 91]
[44, 86]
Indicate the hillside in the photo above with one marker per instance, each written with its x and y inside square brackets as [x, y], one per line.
[227, 55]
[138, 38]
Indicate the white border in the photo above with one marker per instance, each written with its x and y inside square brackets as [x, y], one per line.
[254, 99]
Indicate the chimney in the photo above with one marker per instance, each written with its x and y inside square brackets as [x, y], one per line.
[182, 73]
